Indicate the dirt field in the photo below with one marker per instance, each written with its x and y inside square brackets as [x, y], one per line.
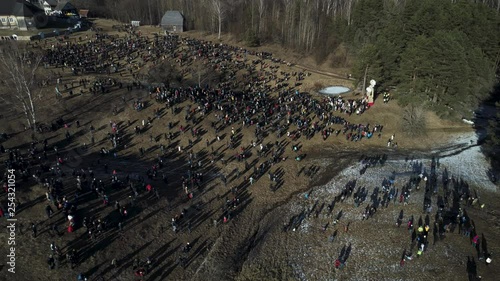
[252, 244]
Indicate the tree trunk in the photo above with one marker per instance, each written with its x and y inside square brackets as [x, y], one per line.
[261, 16]
[220, 26]
[349, 11]
[150, 14]
[253, 22]
[364, 80]
[413, 81]
[28, 117]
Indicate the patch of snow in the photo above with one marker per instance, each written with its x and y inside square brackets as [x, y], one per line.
[468, 162]
[467, 121]
[304, 226]
[462, 158]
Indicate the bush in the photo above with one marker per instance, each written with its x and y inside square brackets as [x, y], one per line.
[318, 86]
[252, 39]
[414, 121]
[162, 73]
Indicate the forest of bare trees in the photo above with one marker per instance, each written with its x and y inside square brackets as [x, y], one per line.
[300, 24]
[310, 26]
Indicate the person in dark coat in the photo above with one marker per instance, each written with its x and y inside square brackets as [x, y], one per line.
[49, 211]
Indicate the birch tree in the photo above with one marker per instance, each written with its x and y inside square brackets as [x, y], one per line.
[219, 12]
[202, 74]
[262, 7]
[19, 69]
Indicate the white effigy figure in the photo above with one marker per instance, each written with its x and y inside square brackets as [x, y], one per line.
[370, 92]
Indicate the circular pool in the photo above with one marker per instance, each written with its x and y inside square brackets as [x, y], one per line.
[334, 90]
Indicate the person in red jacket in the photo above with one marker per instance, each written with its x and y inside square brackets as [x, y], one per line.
[140, 272]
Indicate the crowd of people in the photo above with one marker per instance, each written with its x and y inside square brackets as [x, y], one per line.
[252, 96]
[446, 200]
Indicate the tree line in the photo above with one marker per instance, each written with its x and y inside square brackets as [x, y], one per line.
[441, 53]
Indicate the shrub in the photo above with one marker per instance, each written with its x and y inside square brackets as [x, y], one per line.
[318, 86]
[414, 121]
[252, 39]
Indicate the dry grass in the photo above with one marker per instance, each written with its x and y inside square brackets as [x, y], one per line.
[274, 255]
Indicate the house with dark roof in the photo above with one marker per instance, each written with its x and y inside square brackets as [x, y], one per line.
[47, 5]
[52, 3]
[21, 15]
[173, 21]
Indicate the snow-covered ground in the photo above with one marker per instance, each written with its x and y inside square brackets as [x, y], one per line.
[462, 158]
[467, 161]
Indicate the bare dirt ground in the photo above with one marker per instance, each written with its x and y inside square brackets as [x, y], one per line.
[252, 245]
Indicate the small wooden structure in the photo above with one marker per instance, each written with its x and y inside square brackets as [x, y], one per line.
[83, 13]
[173, 21]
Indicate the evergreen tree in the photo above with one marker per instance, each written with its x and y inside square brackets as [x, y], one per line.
[436, 53]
